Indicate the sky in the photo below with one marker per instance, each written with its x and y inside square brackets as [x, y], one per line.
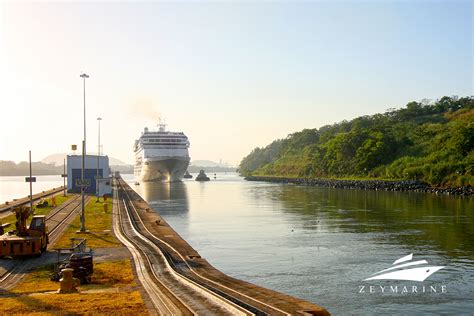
[231, 75]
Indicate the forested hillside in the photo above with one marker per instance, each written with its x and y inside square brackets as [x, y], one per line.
[10, 168]
[428, 141]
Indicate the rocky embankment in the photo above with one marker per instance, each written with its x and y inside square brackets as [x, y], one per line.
[386, 185]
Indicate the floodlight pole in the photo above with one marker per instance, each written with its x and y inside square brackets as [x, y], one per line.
[83, 225]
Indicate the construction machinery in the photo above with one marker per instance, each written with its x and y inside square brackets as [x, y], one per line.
[23, 240]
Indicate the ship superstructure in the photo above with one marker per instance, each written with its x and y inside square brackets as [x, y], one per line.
[161, 155]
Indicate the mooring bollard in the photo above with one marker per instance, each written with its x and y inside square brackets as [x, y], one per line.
[68, 283]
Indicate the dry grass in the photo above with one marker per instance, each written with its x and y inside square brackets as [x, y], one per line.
[37, 281]
[112, 290]
[115, 276]
[98, 223]
[112, 274]
[122, 303]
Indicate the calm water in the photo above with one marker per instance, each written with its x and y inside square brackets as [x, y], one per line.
[16, 187]
[320, 243]
[317, 243]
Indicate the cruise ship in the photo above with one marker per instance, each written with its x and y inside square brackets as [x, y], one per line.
[161, 155]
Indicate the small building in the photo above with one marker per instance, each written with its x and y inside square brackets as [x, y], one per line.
[92, 165]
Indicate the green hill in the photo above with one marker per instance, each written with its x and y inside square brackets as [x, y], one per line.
[427, 141]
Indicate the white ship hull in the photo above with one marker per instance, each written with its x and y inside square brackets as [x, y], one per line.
[165, 169]
[161, 155]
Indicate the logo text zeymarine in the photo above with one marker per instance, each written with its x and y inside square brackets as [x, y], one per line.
[405, 289]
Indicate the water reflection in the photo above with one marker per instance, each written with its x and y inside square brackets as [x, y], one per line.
[166, 198]
[412, 219]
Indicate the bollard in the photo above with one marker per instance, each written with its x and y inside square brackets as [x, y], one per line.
[67, 282]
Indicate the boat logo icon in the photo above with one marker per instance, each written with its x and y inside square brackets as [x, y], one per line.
[399, 270]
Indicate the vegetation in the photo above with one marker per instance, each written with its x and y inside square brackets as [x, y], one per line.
[10, 168]
[111, 291]
[98, 223]
[427, 141]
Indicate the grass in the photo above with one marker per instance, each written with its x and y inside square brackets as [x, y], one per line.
[75, 304]
[112, 289]
[118, 294]
[38, 211]
[99, 224]
[109, 274]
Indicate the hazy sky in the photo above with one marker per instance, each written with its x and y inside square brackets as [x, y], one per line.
[231, 75]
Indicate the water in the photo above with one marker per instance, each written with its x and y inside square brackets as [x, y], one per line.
[320, 243]
[317, 243]
[16, 187]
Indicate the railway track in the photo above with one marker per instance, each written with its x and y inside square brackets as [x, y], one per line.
[169, 291]
[25, 201]
[58, 219]
[233, 300]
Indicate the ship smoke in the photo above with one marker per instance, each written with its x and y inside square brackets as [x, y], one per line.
[144, 107]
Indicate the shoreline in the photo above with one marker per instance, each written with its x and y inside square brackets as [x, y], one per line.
[375, 185]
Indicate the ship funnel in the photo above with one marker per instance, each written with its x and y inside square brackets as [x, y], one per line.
[146, 129]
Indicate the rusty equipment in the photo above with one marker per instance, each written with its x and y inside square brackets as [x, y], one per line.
[42, 203]
[23, 240]
[80, 260]
[2, 228]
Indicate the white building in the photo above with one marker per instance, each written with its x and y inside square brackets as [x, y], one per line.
[92, 165]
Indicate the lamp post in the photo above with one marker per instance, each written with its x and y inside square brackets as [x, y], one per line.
[98, 156]
[83, 226]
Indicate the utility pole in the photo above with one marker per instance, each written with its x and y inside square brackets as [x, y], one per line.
[83, 225]
[98, 156]
[30, 179]
[64, 177]
[31, 187]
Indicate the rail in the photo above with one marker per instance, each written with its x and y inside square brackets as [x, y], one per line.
[14, 273]
[26, 200]
[143, 259]
[180, 265]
